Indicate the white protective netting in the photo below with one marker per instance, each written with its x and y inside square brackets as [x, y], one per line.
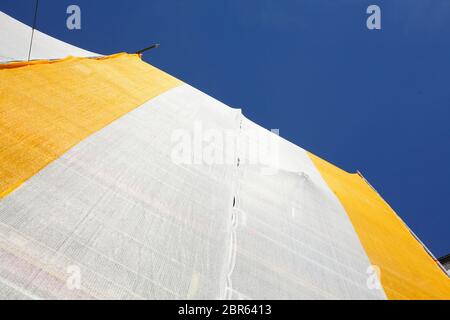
[293, 237]
[15, 38]
[139, 225]
[117, 207]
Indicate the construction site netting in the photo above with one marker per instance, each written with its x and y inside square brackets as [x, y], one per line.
[119, 181]
[138, 225]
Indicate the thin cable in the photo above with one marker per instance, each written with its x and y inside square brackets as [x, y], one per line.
[153, 46]
[34, 27]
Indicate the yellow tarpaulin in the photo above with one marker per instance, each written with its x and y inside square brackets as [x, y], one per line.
[47, 107]
[407, 270]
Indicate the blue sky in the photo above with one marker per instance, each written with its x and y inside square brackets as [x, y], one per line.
[373, 100]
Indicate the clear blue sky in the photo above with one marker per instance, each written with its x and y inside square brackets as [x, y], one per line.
[377, 101]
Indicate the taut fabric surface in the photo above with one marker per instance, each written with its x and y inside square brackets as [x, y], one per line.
[48, 107]
[293, 237]
[137, 225]
[407, 270]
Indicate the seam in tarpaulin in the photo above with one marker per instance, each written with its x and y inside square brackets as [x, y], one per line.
[231, 261]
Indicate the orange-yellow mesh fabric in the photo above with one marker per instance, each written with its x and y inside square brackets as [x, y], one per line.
[407, 270]
[46, 107]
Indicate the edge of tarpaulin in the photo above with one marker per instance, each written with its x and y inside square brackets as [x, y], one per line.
[20, 64]
[428, 251]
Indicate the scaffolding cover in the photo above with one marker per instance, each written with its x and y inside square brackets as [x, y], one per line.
[119, 181]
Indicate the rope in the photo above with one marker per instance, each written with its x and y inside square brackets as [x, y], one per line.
[34, 27]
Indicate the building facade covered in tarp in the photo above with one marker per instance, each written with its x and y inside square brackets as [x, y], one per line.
[143, 187]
